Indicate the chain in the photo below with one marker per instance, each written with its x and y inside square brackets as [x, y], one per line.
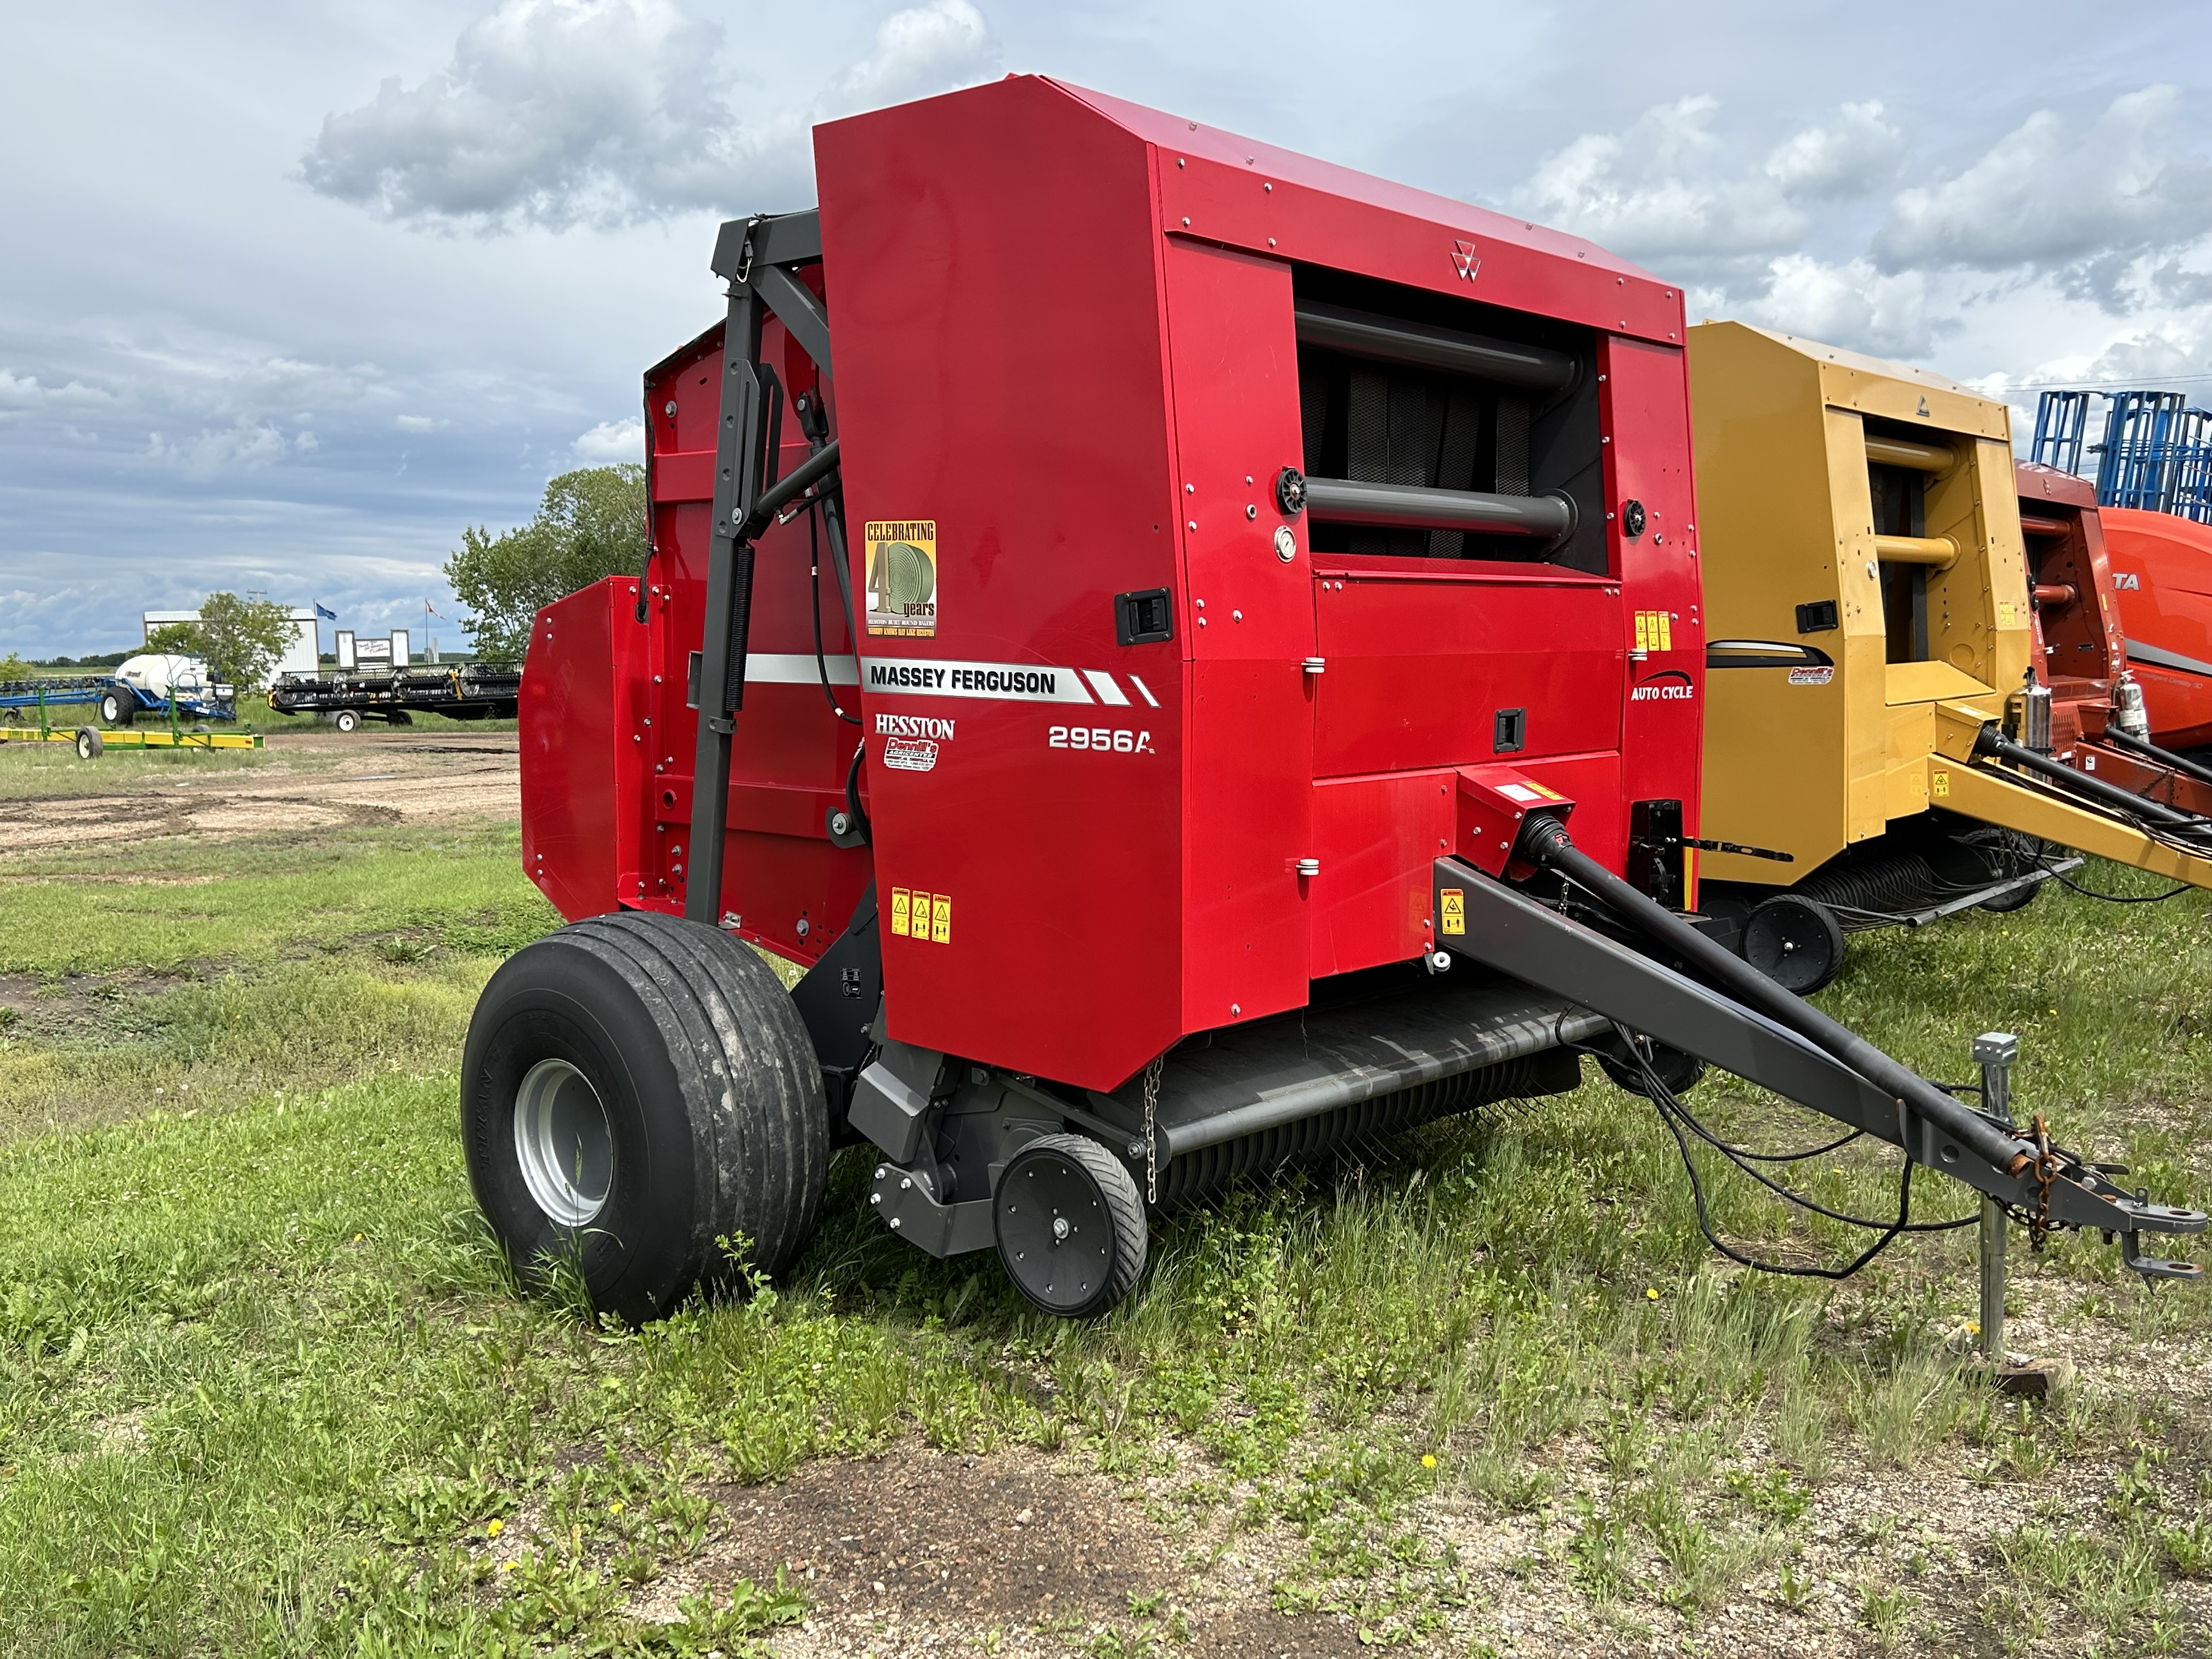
[1151, 1139]
[2046, 1170]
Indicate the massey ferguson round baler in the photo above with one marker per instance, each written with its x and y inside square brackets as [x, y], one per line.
[1210, 674]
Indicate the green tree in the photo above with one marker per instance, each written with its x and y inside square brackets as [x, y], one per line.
[239, 640]
[13, 667]
[591, 524]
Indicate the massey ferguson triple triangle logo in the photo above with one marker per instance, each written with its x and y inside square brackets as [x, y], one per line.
[1466, 261]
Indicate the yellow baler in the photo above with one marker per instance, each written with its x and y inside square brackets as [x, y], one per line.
[1870, 725]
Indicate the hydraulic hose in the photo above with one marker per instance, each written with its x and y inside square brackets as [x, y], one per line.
[2150, 752]
[1994, 745]
[1544, 842]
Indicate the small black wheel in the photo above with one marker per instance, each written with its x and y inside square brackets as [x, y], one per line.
[1795, 941]
[1070, 1225]
[118, 708]
[399, 717]
[347, 719]
[636, 1088]
[88, 743]
[2013, 855]
[1677, 1071]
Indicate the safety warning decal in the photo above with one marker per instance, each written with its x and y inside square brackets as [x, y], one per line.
[921, 915]
[1655, 630]
[1528, 794]
[902, 577]
[1811, 676]
[1451, 912]
[1942, 784]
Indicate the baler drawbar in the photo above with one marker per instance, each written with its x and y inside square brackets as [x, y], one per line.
[1257, 565]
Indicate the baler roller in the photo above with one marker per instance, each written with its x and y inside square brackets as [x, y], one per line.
[1903, 452]
[1409, 507]
[1388, 340]
[1937, 552]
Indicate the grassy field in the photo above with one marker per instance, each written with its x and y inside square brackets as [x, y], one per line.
[265, 1387]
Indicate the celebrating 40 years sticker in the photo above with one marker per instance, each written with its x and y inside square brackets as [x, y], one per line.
[902, 577]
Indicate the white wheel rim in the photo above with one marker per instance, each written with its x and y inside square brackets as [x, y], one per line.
[563, 1142]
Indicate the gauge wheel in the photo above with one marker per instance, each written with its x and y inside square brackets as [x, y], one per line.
[1678, 1072]
[1795, 941]
[1070, 1226]
[347, 719]
[88, 743]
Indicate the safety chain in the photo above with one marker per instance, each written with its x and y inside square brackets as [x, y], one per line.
[2046, 1170]
[1151, 1139]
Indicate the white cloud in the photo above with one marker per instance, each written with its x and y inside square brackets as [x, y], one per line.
[416, 423]
[246, 446]
[607, 112]
[1857, 156]
[611, 441]
[1848, 305]
[24, 391]
[926, 50]
[2045, 199]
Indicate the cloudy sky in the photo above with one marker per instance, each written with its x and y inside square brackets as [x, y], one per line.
[290, 294]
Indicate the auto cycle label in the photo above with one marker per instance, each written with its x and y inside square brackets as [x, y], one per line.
[902, 577]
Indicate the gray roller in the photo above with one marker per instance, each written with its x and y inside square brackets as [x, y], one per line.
[1350, 501]
[1385, 339]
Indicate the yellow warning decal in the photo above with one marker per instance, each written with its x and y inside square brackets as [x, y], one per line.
[1666, 621]
[940, 919]
[1942, 784]
[902, 577]
[901, 908]
[1643, 630]
[1655, 630]
[1452, 911]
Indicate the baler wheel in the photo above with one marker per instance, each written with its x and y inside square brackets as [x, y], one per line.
[1070, 1225]
[1678, 1071]
[1795, 941]
[346, 720]
[635, 1089]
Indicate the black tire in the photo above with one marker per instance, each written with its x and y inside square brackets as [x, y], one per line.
[118, 708]
[347, 719]
[1070, 1226]
[712, 1121]
[1795, 941]
[2014, 854]
[1678, 1071]
[399, 717]
[88, 743]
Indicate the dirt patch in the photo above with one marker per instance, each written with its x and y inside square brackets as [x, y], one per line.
[915, 1552]
[305, 781]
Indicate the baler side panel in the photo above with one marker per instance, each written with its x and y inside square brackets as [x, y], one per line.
[1233, 362]
[792, 889]
[1647, 413]
[995, 303]
[2162, 580]
[572, 802]
[1775, 747]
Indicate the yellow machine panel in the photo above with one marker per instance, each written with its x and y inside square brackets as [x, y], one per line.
[1864, 561]
[1867, 599]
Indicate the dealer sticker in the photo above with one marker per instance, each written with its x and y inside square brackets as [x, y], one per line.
[902, 577]
[1811, 676]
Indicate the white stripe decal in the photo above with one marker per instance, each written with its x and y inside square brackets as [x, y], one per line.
[1102, 683]
[1003, 682]
[1145, 691]
[796, 668]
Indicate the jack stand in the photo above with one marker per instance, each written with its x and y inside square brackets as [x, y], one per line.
[1996, 1051]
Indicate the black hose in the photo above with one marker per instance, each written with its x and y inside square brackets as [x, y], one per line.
[1544, 842]
[814, 575]
[853, 792]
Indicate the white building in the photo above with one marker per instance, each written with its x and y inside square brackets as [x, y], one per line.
[301, 653]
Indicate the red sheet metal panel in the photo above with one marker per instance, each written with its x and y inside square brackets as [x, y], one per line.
[2162, 582]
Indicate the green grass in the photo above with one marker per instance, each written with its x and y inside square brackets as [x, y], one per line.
[265, 1387]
